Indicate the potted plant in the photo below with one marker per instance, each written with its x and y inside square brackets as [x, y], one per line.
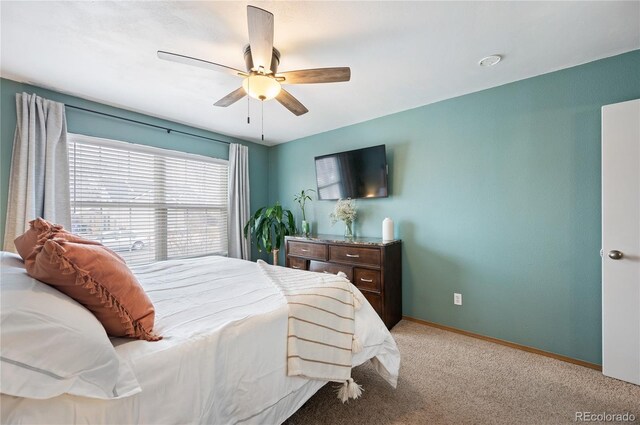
[269, 226]
[345, 210]
[301, 198]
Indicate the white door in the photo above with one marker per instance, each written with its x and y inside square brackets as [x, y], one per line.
[621, 241]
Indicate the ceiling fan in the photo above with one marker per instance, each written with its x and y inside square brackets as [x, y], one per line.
[261, 79]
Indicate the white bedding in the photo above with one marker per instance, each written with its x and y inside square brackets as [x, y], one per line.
[222, 359]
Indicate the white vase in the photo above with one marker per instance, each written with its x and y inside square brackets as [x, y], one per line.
[387, 229]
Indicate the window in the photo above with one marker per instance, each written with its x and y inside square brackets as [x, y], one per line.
[148, 204]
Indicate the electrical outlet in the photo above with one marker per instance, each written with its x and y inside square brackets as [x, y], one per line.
[457, 298]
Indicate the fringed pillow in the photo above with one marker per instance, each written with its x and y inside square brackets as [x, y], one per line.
[98, 279]
[26, 242]
[39, 231]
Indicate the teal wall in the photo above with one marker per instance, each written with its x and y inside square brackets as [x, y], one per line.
[100, 126]
[496, 195]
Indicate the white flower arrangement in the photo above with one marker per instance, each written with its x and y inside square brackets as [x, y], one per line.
[345, 210]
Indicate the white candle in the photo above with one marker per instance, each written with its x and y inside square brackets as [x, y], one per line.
[387, 229]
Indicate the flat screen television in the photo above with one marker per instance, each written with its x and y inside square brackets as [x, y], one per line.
[361, 173]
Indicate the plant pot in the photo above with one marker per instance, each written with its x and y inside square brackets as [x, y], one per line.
[275, 256]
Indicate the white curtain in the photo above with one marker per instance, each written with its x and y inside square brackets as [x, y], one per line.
[239, 247]
[39, 181]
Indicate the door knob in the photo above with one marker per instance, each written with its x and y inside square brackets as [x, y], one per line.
[615, 255]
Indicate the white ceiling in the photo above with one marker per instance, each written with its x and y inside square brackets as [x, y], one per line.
[402, 54]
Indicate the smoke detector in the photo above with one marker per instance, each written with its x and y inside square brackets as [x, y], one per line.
[490, 60]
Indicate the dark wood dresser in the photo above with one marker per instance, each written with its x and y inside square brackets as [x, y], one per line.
[374, 266]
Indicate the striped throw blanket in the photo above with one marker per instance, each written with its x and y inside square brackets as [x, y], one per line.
[321, 337]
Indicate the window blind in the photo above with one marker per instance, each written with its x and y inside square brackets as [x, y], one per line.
[147, 204]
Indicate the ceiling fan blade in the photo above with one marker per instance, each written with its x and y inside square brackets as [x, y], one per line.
[314, 76]
[232, 97]
[260, 36]
[188, 60]
[291, 103]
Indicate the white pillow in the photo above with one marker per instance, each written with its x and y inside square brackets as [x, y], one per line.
[51, 345]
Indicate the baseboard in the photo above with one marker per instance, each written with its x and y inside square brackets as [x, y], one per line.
[507, 343]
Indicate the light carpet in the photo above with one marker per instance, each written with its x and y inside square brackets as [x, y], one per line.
[448, 378]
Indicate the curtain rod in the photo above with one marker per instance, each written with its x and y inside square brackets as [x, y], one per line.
[167, 129]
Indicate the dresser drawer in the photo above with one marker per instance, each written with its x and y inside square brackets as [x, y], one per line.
[375, 300]
[298, 263]
[355, 255]
[321, 266]
[314, 251]
[367, 279]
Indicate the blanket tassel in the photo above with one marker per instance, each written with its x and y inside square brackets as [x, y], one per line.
[349, 390]
[356, 345]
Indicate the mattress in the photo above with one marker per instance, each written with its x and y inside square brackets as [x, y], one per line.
[222, 359]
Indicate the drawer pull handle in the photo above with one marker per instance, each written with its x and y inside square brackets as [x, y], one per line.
[296, 267]
[304, 250]
[353, 256]
[366, 280]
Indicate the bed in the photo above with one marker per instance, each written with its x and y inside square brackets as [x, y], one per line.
[222, 359]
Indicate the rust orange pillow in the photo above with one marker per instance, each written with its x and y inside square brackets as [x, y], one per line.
[26, 242]
[98, 279]
[39, 231]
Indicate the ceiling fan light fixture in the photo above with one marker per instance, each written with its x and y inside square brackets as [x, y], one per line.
[261, 87]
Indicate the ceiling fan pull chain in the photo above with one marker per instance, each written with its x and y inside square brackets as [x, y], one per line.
[248, 101]
[262, 103]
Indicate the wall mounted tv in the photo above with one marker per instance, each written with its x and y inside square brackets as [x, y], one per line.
[361, 173]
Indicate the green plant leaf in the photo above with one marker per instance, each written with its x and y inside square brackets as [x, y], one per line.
[279, 236]
[247, 227]
[266, 238]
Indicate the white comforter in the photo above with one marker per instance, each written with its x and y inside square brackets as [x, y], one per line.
[222, 359]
